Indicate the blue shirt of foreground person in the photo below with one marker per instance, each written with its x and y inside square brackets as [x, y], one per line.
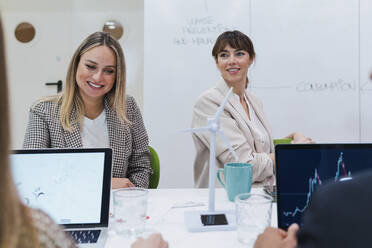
[339, 215]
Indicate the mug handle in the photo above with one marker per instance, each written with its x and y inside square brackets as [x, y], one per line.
[219, 171]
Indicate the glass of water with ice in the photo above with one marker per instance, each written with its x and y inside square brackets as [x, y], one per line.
[253, 215]
[130, 208]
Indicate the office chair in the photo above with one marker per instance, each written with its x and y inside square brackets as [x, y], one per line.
[155, 166]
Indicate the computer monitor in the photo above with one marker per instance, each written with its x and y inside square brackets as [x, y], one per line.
[300, 169]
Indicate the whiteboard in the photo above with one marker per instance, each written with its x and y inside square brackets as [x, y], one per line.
[366, 70]
[308, 71]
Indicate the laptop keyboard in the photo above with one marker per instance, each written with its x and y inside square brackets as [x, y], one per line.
[86, 236]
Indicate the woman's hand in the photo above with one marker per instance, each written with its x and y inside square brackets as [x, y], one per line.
[117, 183]
[154, 241]
[299, 138]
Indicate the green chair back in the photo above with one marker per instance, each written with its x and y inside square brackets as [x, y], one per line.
[282, 141]
[155, 166]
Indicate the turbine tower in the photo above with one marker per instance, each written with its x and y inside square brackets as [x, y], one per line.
[194, 219]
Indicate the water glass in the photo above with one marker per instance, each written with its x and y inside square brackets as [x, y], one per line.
[253, 215]
[130, 207]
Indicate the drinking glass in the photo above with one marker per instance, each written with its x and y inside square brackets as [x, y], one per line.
[130, 207]
[253, 215]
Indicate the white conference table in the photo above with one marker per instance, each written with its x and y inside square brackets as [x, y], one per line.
[166, 215]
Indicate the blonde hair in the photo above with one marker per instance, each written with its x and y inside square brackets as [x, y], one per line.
[16, 229]
[70, 97]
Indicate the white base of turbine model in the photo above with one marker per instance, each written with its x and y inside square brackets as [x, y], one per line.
[213, 220]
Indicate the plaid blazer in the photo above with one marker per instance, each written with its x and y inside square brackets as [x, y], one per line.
[131, 156]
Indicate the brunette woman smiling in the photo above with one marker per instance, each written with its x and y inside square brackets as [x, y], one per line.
[243, 120]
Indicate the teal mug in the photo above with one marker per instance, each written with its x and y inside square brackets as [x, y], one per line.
[238, 178]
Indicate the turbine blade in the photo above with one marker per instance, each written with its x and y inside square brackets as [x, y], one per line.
[228, 144]
[195, 130]
[220, 109]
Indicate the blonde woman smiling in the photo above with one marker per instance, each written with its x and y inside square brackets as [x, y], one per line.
[94, 111]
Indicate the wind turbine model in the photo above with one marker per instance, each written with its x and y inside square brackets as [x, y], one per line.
[212, 220]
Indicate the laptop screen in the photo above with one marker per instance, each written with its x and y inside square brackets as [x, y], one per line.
[300, 169]
[70, 185]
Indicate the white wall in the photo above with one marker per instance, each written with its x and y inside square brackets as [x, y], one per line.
[60, 28]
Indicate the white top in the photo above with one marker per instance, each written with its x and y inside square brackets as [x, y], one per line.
[94, 132]
[257, 126]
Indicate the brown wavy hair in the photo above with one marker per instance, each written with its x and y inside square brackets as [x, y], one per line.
[16, 229]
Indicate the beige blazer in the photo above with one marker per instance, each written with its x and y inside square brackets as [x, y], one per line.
[237, 128]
